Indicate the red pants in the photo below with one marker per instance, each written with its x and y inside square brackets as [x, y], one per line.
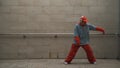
[74, 50]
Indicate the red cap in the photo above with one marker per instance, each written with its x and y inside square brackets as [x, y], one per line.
[83, 18]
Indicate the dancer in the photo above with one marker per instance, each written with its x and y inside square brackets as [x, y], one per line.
[81, 39]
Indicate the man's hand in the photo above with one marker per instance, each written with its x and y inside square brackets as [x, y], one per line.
[77, 39]
[103, 32]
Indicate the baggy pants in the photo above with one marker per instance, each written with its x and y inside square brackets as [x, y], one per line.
[74, 49]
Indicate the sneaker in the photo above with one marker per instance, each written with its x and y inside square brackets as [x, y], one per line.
[66, 63]
[93, 63]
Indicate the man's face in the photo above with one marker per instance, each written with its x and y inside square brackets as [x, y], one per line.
[83, 23]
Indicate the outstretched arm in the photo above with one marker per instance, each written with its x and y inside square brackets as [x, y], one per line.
[100, 29]
[96, 28]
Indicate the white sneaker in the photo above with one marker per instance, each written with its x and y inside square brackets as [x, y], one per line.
[94, 63]
[65, 63]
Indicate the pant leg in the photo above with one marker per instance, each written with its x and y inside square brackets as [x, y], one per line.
[89, 53]
[72, 53]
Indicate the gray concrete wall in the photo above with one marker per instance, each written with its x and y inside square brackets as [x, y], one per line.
[50, 46]
[55, 16]
[119, 30]
[119, 46]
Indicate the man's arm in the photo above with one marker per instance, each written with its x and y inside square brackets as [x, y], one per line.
[100, 29]
[76, 35]
[96, 28]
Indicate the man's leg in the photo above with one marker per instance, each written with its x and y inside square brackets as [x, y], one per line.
[72, 53]
[89, 53]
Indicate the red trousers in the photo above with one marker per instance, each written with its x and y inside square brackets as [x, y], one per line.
[74, 50]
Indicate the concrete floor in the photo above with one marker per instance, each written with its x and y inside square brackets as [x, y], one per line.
[58, 63]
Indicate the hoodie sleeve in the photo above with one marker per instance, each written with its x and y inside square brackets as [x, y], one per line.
[76, 30]
[92, 27]
[76, 35]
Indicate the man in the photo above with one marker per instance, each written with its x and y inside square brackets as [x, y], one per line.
[81, 39]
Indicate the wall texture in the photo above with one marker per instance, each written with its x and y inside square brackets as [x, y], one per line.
[119, 30]
[55, 16]
[54, 46]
